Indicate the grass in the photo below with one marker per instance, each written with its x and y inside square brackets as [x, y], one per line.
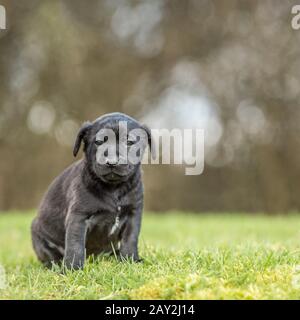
[185, 257]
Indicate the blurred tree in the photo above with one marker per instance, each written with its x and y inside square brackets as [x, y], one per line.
[231, 66]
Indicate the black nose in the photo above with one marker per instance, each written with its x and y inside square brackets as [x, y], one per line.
[111, 162]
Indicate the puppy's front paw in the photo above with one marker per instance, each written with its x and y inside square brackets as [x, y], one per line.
[73, 264]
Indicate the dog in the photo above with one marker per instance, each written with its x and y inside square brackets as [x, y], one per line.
[96, 204]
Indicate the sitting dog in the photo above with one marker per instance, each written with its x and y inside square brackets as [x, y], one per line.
[96, 204]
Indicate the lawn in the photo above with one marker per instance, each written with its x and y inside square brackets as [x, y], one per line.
[186, 256]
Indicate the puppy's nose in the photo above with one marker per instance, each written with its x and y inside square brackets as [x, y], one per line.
[111, 162]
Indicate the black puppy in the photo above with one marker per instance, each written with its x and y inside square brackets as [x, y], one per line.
[96, 204]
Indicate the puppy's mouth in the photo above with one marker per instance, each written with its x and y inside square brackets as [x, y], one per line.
[113, 177]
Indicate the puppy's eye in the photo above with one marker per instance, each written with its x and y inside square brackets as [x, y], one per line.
[98, 142]
[130, 143]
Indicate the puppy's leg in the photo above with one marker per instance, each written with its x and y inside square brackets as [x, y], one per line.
[45, 253]
[130, 235]
[75, 242]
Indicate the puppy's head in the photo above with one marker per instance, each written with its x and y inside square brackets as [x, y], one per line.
[114, 145]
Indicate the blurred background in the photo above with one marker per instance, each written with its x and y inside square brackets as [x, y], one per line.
[230, 67]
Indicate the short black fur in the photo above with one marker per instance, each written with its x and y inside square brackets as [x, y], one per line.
[84, 212]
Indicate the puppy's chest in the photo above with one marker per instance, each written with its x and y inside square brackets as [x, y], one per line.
[109, 221]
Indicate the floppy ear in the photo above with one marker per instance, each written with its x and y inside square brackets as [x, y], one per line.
[151, 142]
[81, 135]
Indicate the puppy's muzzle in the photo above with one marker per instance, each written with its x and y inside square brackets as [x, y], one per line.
[111, 163]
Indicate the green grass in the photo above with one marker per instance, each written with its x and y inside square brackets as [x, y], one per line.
[185, 257]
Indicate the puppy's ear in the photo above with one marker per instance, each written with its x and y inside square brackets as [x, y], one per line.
[151, 142]
[81, 136]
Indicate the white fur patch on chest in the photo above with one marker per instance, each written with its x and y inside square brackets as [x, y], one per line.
[115, 226]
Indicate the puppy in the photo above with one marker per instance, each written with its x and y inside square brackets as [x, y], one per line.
[96, 204]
